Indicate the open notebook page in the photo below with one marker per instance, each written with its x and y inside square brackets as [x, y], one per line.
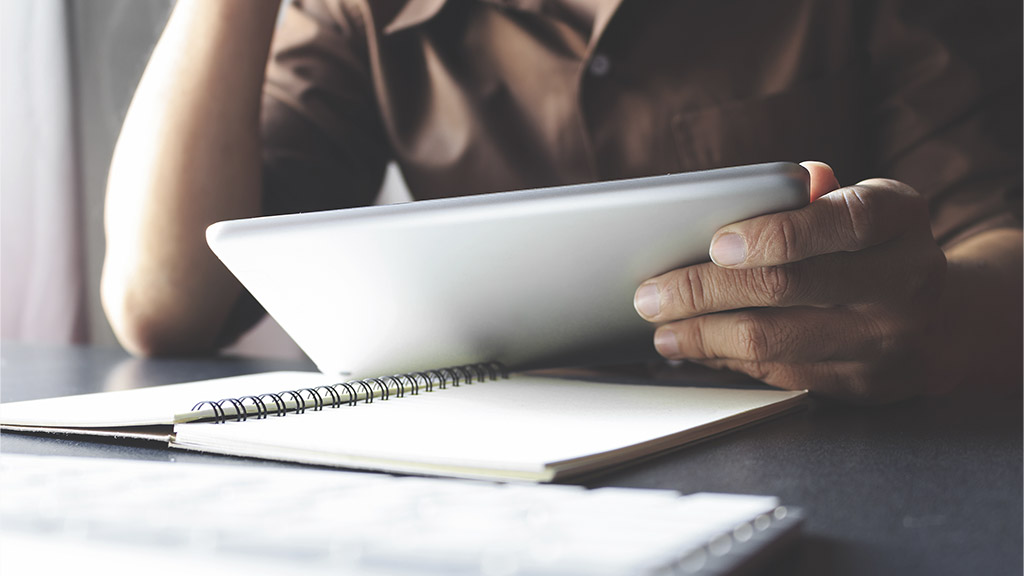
[156, 405]
[525, 427]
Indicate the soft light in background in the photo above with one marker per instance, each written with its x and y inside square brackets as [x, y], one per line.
[69, 69]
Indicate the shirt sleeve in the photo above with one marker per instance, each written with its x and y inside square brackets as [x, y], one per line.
[947, 78]
[323, 141]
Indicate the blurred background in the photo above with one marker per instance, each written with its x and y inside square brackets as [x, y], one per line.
[68, 69]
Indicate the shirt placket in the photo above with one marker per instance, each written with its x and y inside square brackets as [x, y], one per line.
[594, 74]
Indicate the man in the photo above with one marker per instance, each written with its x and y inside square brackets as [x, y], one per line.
[886, 289]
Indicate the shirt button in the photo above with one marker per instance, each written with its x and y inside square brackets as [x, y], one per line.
[600, 65]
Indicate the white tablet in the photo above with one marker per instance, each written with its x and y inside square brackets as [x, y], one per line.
[533, 278]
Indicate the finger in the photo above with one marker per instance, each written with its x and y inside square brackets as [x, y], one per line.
[886, 272]
[847, 381]
[774, 335]
[852, 382]
[843, 220]
[823, 179]
[778, 374]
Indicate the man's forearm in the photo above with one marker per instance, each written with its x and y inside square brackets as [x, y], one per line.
[188, 155]
[983, 305]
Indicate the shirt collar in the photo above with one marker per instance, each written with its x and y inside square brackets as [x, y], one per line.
[416, 12]
[604, 15]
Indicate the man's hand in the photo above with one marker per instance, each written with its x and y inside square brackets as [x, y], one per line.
[842, 297]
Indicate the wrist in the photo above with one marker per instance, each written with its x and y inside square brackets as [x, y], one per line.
[978, 334]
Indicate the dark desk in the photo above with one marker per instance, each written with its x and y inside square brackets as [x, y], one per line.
[928, 487]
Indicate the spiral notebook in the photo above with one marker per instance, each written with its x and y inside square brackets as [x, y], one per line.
[470, 422]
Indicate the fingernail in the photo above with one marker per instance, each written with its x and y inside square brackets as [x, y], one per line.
[728, 250]
[666, 344]
[647, 301]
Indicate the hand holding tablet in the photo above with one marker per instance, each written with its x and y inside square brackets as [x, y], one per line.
[841, 296]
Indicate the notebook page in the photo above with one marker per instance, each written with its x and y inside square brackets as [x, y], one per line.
[522, 424]
[147, 406]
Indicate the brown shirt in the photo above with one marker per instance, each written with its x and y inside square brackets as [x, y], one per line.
[475, 96]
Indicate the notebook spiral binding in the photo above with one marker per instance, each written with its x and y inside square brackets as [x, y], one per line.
[335, 395]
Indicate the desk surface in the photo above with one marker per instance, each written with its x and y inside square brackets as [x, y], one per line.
[926, 487]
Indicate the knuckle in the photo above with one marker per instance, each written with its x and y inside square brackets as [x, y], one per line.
[762, 371]
[893, 342]
[878, 337]
[699, 340]
[774, 284]
[878, 210]
[753, 340]
[894, 186]
[789, 240]
[889, 337]
[789, 376]
[859, 220]
[690, 291]
[779, 239]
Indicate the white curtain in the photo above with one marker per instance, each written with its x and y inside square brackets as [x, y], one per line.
[41, 265]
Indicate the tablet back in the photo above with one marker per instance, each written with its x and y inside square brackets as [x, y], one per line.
[533, 278]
